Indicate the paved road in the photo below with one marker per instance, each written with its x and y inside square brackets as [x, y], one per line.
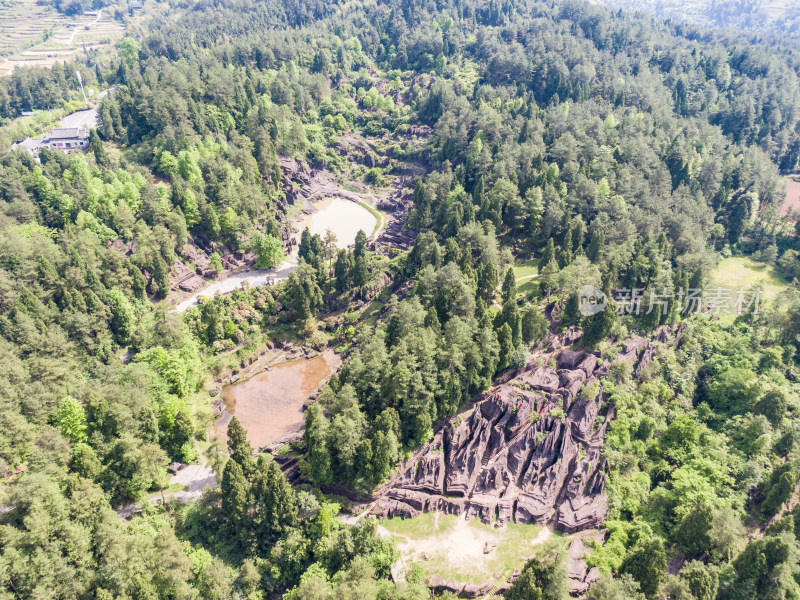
[88, 119]
[83, 118]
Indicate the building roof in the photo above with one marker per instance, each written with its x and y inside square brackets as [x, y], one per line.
[67, 133]
[29, 144]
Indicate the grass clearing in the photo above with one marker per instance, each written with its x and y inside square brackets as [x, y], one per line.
[526, 268]
[741, 273]
[454, 548]
[370, 314]
[379, 217]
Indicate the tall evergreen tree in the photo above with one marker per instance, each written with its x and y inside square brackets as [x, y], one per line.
[509, 290]
[235, 499]
[239, 447]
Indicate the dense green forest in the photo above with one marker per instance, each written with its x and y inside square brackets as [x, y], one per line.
[616, 150]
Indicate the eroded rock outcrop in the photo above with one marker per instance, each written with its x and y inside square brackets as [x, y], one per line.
[528, 452]
[580, 576]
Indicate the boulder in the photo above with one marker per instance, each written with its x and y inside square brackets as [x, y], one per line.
[647, 357]
[543, 378]
[569, 359]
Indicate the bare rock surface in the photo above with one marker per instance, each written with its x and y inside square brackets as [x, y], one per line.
[529, 451]
[580, 576]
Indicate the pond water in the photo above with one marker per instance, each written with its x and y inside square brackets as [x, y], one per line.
[270, 404]
[343, 217]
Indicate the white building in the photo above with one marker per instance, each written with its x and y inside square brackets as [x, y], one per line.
[66, 138]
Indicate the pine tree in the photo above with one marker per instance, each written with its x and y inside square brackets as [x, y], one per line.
[239, 448]
[509, 290]
[235, 501]
[305, 245]
[506, 340]
[342, 271]
[599, 326]
[478, 194]
[565, 257]
[596, 246]
[360, 272]
[487, 280]
[96, 146]
[316, 439]
[274, 499]
[578, 233]
[360, 248]
[571, 312]
[160, 277]
[547, 276]
[549, 253]
[432, 320]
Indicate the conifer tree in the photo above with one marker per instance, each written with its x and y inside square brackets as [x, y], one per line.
[549, 253]
[235, 501]
[509, 290]
[239, 447]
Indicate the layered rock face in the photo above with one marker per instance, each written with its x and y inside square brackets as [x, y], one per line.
[528, 452]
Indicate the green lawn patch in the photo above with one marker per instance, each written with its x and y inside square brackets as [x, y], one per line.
[526, 268]
[741, 273]
[375, 213]
[370, 314]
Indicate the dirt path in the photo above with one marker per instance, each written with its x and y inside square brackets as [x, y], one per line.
[77, 28]
[254, 277]
[518, 279]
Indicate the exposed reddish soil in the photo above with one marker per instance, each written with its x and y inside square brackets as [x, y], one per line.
[792, 202]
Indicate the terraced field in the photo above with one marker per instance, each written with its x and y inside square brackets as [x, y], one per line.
[746, 14]
[35, 35]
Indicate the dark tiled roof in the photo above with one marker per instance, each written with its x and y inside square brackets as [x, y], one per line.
[67, 133]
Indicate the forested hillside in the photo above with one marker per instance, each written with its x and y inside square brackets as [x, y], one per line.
[608, 149]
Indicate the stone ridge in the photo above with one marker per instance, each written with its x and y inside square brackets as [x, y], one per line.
[529, 451]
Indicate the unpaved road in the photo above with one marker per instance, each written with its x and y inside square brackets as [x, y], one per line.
[195, 478]
[254, 277]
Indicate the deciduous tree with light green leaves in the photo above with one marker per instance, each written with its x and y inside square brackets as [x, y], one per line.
[268, 249]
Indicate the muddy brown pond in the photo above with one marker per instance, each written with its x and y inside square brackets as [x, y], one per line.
[270, 404]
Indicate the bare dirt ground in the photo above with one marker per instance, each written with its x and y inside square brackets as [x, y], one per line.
[792, 202]
[270, 404]
[193, 478]
[454, 547]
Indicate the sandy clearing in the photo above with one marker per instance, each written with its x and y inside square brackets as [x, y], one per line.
[460, 544]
